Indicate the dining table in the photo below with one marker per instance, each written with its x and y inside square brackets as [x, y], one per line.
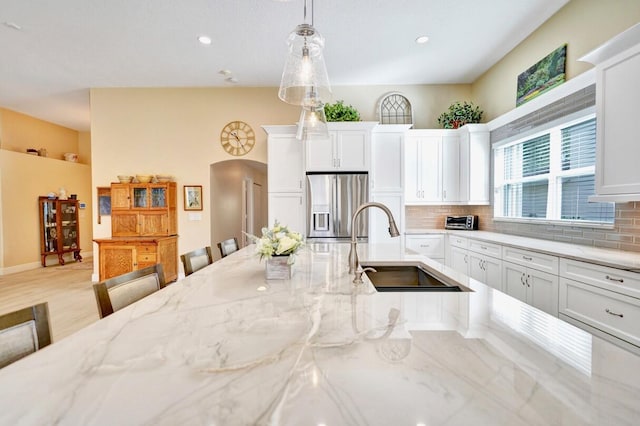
[225, 346]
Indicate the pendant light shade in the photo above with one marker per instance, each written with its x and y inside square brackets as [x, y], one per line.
[304, 79]
[313, 123]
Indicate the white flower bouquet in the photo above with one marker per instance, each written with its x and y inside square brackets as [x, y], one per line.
[277, 241]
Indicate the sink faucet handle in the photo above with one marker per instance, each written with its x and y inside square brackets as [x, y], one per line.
[358, 274]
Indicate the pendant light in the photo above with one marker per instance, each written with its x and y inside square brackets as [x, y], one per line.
[304, 79]
[313, 123]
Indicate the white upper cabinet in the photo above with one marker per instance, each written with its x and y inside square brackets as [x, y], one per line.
[617, 92]
[284, 159]
[348, 148]
[475, 151]
[431, 166]
[387, 158]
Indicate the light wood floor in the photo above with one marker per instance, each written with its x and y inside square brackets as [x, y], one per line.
[68, 289]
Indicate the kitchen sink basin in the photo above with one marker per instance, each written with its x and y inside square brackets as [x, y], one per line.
[406, 278]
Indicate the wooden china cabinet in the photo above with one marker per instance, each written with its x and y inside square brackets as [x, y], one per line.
[143, 230]
[59, 229]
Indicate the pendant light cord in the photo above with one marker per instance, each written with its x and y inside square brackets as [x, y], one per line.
[305, 12]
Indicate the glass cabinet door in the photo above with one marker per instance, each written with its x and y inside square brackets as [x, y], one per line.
[139, 196]
[158, 197]
[49, 226]
[69, 226]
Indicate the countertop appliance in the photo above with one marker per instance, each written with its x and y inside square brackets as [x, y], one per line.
[332, 198]
[467, 222]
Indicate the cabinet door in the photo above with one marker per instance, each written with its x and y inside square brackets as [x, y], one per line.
[119, 196]
[124, 223]
[387, 155]
[352, 153]
[459, 260]
[478, 166]
[515, 281]
[116, 260]
[412, 189]
[476, 270]
[284, 162]
[450, 168]
[140, 196]
[320, 155]
[429, 168]
[493, 272]
[153, 223]
[288, 209]
[378, 221]
[542, 290]
[617, 92]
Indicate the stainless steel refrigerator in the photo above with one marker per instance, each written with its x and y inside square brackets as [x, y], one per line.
[331, 201]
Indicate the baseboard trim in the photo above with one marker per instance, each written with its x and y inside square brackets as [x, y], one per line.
[35, 265]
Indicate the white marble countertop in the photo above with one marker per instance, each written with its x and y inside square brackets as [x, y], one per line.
[621, 259]
[225, 347]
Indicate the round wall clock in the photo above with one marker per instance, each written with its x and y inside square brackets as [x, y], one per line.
[237, 138]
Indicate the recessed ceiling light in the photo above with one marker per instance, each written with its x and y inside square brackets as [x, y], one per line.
[224, 72]
[204, 39]
[422, 39]
[231, 80]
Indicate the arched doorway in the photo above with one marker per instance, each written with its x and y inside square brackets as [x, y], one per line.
[238, 200]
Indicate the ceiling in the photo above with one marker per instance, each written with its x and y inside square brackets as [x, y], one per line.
[54, 51]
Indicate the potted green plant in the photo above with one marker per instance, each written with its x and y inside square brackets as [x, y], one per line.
[341, 112]
[459, 114]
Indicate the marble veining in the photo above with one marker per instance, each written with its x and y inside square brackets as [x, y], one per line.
[225, 347]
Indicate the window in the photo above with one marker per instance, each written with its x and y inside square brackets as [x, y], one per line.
[394, 108]
[550, 175]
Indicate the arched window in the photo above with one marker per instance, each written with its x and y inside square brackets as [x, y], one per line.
[394, 108]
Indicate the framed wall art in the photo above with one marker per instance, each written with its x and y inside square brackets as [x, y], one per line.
[193, 197]
[546, 74]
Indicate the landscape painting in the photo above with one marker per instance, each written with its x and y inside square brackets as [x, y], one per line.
[543, 76]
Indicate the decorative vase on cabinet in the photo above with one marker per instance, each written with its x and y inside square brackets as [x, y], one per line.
[59, 229]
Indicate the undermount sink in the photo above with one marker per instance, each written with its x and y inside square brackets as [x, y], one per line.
[406, 278]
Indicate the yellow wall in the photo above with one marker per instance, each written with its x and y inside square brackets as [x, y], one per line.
[18, 132]
[23, 179]
[582, 24]
[176, 131]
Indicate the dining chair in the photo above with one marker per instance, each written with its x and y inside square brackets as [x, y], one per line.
[228, 246]
[121, 291]
[23, 332]
[196, 260]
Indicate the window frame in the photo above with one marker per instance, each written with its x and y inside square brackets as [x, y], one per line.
[553, 176]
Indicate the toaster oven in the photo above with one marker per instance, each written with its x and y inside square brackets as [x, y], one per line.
[468, 222]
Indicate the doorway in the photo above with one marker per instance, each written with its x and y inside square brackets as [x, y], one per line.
[238, 200]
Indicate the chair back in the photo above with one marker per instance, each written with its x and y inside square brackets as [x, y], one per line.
[196, 260]
[117, 292]
[23, 332]
[228, 246]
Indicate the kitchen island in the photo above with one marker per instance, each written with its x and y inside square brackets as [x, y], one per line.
[223, 346]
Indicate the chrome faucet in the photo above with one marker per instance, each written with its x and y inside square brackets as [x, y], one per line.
[353, 252]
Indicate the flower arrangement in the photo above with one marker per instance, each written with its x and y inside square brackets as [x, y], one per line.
[277, 241]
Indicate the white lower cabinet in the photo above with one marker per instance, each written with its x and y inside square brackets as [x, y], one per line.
[431, 245]
[459, 259]
[601, 300]
[486, 269]
[288, 209]
[536, 288]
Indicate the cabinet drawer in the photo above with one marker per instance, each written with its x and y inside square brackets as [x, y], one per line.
[483, 247]
[613, 313]
[456, 241]
[428, 245]
[146, 258]
[531, 259]
[613, 279]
